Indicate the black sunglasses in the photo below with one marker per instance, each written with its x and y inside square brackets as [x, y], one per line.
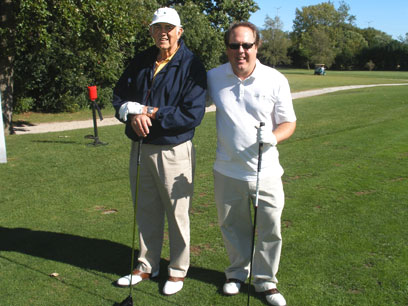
[235, 46]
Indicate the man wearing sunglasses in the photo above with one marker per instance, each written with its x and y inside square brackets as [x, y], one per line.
[245, 93]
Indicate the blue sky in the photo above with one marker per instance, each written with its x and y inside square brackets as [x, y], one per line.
[389, 16]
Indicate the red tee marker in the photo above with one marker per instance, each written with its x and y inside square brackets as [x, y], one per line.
[92, 93]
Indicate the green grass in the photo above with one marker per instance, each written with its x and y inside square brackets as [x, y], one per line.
[348, 198]
[301, 79]
[344, 222]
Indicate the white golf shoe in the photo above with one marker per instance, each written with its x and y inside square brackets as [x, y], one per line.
[137, 277]
[274, 297]
[173, 285]
[232, 286]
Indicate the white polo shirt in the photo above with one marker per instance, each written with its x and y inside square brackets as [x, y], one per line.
[240, 107]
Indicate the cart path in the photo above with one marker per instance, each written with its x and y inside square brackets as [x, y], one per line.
[73, 125]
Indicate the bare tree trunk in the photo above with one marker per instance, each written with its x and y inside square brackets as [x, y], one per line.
[6, 64]
[6, 87]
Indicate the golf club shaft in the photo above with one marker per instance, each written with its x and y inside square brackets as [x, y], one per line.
[255, 212]
[139, 148]
[259, 169]
[252, 253]
[257, 176]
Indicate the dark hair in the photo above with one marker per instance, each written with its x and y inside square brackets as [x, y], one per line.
[242, 24]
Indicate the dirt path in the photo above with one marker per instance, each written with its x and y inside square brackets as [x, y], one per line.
[72, 125]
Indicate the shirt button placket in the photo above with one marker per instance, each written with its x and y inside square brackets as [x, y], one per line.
[241, 90]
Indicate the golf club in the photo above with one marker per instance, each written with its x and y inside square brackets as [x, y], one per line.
[129, 300]
[255, 211]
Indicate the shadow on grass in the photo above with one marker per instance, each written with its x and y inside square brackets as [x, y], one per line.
[22, 123]
[87, 253]
[34, 269]
[19, 125]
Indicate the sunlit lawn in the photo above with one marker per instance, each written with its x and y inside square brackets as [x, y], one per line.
[66, 209]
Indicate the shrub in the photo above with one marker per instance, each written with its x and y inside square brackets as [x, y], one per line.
[370, 65]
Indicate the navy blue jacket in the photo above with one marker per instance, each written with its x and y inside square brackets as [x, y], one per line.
[178, 90]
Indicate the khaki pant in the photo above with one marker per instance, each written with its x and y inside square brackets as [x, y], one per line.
[233, 198]
[165, 188]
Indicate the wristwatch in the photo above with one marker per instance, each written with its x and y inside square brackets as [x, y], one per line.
[150, 110]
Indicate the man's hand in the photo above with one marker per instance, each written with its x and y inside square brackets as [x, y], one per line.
[140, 124]
[130, 108]
[266, 136]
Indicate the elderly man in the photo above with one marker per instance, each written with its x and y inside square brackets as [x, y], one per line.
[161, 97]
[246, 93]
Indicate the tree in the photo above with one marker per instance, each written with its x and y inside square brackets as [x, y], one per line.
[350, 44]
[317, 46]
[323, 14]
[200, 36]
[7, 45]
[64, 46]
[319, 28]
[220, 13]
[404, 40]
[275, 43]
[392, 56]
[375, 37]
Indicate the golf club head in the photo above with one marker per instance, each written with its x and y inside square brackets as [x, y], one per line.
[127, 302]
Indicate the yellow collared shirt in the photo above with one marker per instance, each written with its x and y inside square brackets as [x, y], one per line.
[160, 65]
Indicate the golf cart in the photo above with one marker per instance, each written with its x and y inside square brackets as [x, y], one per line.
[320, 69]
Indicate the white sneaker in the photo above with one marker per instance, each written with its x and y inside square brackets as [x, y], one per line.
[232, 287]
[274, 297]
[173, 285]
[137, 277]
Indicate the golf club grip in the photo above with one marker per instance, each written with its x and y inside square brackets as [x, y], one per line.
[260, 150]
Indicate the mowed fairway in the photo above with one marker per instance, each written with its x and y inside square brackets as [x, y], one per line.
[66, 209]
[301, 79]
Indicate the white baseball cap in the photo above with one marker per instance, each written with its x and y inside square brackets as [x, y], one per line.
[166, 15]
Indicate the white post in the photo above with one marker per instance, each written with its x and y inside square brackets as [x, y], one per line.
[3, 155]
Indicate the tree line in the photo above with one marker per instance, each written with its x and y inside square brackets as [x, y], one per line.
[328, 35]
[51, 50]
